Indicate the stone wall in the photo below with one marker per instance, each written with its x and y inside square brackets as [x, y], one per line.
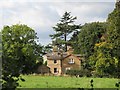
[66, 65]
[53, 65]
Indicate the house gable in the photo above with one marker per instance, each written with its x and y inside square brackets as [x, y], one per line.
[71, 62]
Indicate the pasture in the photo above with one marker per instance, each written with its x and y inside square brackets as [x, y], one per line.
[38, 81]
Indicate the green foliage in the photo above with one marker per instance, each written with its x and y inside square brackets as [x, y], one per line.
[47, 49]
[89, 35]
[74, 72]
[0, 54]
[65, 27]
[117, 85]
[79, 73]
[19, 53]
[106, 56]
[102, 61]
[113, 32]
[74, 42]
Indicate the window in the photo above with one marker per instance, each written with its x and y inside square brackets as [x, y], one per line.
[55, 61]
[55, 70]
[68, 68]
[71, 61]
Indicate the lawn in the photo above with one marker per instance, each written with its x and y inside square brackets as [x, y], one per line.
[37, 81]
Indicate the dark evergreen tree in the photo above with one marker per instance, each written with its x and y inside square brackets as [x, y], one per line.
[63, 28]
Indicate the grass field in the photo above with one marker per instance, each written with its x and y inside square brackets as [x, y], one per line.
[66, 82]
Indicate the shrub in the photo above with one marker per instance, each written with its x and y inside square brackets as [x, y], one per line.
[95, 74]
[79, 73]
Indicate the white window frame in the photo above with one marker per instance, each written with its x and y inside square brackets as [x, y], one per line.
[71, 61]
[68, 68]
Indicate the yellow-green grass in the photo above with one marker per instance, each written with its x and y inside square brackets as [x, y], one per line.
[38, 81]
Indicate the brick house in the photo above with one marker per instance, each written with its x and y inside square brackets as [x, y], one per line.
[59, 62]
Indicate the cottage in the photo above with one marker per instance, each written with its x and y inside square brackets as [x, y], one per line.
[59, 62]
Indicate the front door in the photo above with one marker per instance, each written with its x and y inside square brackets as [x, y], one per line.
[55, 70]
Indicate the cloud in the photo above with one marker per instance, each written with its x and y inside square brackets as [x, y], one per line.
[33, 14]
[42, 16]
[59, 0]
[85, 12]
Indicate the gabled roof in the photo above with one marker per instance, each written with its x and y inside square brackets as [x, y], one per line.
[56, 55]
[60, 54]
[79, 55]
[74, 56]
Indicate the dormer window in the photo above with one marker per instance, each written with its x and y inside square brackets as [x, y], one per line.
[71, 61]
[55, 61]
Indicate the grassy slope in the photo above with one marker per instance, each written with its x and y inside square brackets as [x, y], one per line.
[66, 82]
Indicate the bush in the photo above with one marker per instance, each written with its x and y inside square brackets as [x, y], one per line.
[79, 73]
[87, 73]
[95, 74]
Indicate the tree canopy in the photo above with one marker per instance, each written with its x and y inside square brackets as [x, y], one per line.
[20, 53]
[113, 32]
[106, 57]
[89, 35]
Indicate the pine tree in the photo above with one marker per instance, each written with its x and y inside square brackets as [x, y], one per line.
[65, 27]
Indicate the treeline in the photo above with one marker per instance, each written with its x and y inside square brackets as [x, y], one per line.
[98, 41]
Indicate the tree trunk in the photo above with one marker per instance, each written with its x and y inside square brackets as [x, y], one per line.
[65, 37]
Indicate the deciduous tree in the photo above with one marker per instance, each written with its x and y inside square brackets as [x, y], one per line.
[19, 53]
[89, 35]
[113, 33]
[106, 57]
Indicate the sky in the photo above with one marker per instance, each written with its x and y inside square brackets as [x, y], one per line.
[42, 15]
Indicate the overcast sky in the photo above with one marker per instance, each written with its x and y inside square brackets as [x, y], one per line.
[42, 15]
